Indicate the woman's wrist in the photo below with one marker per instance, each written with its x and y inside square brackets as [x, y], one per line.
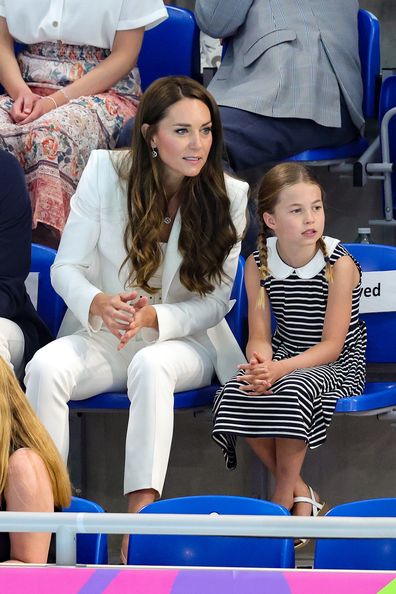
[150, 319]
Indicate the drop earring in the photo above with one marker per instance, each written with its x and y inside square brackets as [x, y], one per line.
[154, 153]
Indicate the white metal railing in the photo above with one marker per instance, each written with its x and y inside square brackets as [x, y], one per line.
[67, 525]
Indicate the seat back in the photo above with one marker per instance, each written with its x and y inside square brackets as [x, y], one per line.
[237, 317]
[171, 48]
[381, 326]
[50, 306]
[211, 551]
[370, 59]
[91, 548]
[361, 553]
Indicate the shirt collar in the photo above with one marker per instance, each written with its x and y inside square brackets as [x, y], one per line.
[280, 270]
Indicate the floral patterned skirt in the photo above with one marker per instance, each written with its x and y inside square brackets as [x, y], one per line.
[54, 149]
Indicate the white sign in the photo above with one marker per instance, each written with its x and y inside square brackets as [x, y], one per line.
[379, 291]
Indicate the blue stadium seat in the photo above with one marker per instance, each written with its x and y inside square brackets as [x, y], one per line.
[171, 48]
[212, 551]
[369, 51]
[91, 548]
[358, 554]
[198, 397]
[378, 397]
[50, 306]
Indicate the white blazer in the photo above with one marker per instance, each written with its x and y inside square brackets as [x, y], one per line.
[91, 253]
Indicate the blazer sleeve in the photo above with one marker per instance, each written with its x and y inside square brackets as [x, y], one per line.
[15, 238]
[196, 315]
[77, 250]
[221, 18]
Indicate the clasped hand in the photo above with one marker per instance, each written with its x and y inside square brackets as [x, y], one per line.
[260, 375]
[123, 316]
[28, 107]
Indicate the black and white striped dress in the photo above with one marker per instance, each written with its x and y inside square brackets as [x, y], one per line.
[302, 403]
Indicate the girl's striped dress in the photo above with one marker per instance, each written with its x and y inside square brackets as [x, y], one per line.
[302, 403]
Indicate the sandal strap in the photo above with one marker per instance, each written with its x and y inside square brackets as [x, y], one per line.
[316, 505]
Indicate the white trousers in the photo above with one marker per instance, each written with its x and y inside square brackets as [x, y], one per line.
[12, 345]
[78, 366]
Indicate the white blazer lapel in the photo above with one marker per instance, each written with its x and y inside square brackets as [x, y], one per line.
[173, 257]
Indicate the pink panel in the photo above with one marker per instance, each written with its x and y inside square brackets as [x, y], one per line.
[36, 580]
[143, 581]
[306, 582]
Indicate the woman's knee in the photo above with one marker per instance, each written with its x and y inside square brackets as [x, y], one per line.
[50, 366]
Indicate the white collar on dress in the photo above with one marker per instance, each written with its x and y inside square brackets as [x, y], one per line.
[280, 270]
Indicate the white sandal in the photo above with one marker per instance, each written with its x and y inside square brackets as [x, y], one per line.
[318, 509]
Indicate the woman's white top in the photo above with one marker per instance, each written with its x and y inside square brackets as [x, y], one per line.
[79, 22]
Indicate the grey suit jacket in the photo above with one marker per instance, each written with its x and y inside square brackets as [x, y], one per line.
[287, 58]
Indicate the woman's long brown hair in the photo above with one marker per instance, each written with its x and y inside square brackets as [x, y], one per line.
[207, 232]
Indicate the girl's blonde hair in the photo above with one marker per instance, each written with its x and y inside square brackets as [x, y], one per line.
[21, 428]
[274, 181]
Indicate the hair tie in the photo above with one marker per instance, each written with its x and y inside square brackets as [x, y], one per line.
[327, 259]
[262, 284]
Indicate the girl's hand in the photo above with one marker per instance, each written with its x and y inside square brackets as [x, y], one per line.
[116, 311]
[260, 375]
[145, 317]
[23, 106]
[41, 106]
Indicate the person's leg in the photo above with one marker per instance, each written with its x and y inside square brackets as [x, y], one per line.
[264, 448]
[12, 345]
[290, 454]
[253, 140]
[125, 137]
[73, 367]
[156, 372]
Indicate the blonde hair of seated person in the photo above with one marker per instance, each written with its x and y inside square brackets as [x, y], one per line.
[21, 428]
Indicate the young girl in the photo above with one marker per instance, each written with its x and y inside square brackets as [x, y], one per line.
[283, 399]
[32, 474]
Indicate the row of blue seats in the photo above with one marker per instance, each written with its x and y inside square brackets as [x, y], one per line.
[231, 551]
[378, 398]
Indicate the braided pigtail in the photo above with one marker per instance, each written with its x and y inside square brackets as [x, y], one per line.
[329, 268]
[263, 268]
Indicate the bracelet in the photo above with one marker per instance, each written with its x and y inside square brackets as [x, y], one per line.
[66, 96]
[51, 99]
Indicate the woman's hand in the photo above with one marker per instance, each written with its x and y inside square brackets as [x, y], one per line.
[145, 317]
[23, 106]
[260, 375]
[116, 311]
[41, 106]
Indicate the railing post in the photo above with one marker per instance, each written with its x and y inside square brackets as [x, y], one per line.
[65, 546]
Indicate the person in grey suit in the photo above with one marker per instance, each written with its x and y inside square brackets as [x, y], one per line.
[290, 77]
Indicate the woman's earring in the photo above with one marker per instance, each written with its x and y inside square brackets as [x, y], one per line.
[154, 153]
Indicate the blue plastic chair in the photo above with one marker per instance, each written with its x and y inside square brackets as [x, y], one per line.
[212, 551]
[50, 306]
[198, 397]
[378, 397]
[369, 51]
[91, 548]
[171, 48]
[362, 553]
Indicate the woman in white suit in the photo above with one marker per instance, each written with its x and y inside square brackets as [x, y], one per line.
[146, 266]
